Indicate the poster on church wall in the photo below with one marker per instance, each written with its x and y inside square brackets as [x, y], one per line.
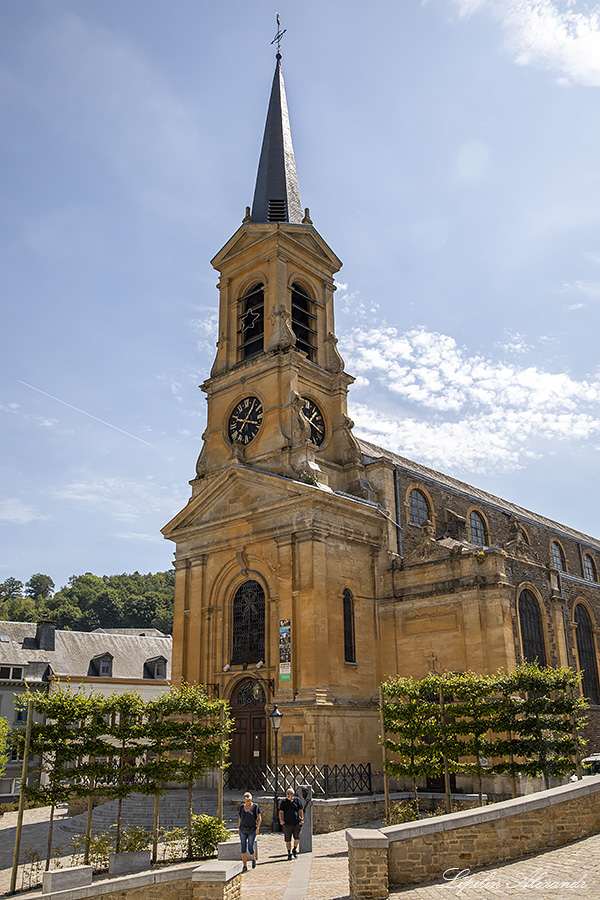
[285, 650]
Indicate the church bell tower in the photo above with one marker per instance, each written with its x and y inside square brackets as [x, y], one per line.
[275, 549]
[277, 388]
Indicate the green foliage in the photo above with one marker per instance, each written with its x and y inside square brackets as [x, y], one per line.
[39, 587]
[91, 601]
[402, 811]
[525, 721]
[206, 833]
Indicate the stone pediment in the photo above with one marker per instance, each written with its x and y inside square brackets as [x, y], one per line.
[293, 238]
[240, 491]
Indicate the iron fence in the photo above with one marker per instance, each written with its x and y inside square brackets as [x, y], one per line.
[325, 781]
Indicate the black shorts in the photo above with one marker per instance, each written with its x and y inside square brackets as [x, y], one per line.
[291, 831]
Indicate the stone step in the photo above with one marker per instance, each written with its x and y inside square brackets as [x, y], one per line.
[138, 811]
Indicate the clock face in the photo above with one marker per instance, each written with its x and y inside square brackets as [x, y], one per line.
[245, 420]
[315, 419]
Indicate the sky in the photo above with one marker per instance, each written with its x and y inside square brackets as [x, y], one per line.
[449, 153]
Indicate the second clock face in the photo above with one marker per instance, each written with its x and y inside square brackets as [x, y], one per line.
[315, 420]
[245, 420]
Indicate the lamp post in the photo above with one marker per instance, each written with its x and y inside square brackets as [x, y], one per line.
[276, 716]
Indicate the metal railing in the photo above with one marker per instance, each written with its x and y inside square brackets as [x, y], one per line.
[325, 781]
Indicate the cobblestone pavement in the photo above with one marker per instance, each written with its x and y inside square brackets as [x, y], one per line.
[569, 873]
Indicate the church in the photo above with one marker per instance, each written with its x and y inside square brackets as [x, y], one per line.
[310, 564]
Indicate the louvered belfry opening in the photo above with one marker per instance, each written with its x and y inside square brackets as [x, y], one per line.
[304, 320]
[277, 211]
[251, 322]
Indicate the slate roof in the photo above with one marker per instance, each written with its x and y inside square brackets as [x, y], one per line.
[74, 650]
[277, 179]
[425, 474]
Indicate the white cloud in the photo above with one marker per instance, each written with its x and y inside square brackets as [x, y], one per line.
[547, 34]
[139, 536]
[457, 409]
[16, 512]
[590, 289]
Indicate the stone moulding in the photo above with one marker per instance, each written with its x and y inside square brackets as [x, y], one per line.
[414, 852]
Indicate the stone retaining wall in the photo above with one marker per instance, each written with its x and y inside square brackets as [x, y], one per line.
[423, 851]
[214, 880]
[346, 812]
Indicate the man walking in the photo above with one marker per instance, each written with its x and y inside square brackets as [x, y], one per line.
[291, 816]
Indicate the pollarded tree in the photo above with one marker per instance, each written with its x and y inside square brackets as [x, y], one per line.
[3, 744]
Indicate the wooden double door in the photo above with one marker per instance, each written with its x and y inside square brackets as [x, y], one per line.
[249, 739]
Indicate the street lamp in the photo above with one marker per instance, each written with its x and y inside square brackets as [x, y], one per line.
[276, 716]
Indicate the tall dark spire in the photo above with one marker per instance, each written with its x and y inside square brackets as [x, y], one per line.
[277, 195]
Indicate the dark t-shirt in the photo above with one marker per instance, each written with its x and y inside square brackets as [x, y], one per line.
[291, 810]
[249, 818]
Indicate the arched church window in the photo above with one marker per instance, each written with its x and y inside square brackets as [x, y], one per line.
[349, 643]
[251, 322]
[557, 557]
[248, 624]
[589, 568]
[532, 635]
[418, 507]
[304, 320]
[477, 532]
[586, 651]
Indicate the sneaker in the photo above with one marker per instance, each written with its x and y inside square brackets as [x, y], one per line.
[295, 853]
[253, 863]
[244, 868]
[289, 855]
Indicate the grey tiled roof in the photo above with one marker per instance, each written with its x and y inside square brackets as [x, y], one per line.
[75, 649]
[425, 474]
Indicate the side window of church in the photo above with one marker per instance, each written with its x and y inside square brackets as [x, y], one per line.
[248, 627]
[477, 529]
[532, 635]
[586, 651]
[418, 507]
[557, 556]
[349, 644]
[251, 322]
[304, 320]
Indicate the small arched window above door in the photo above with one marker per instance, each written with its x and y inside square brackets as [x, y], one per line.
[532, 634]
[248, 624]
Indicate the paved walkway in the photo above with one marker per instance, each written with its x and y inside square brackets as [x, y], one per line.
[569, 873]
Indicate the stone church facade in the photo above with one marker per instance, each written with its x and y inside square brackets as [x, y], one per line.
[311, 564]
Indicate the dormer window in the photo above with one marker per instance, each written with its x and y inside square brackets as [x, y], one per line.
[251, 322]
[304, 320]
[101, 666]
[155, 667]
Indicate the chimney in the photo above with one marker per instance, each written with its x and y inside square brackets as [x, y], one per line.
[44, 636]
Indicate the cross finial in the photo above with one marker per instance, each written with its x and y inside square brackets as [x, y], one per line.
[278, 36]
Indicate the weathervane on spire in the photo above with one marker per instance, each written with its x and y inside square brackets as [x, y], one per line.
[278, 36]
